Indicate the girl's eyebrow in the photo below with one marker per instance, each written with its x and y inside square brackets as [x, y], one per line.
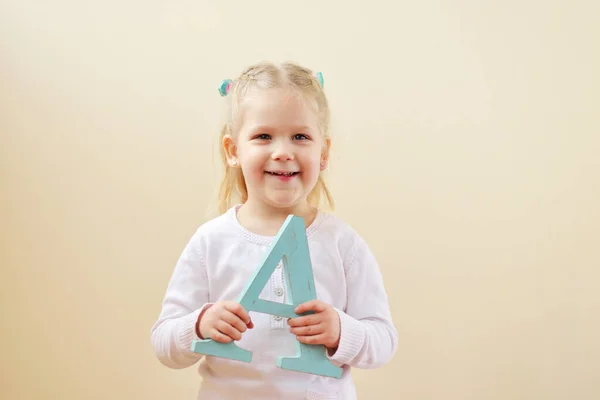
[301, 128]
[261, 128]
[268, 128]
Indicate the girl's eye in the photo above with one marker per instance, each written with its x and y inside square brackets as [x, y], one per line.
[300, 136]
[263, 136]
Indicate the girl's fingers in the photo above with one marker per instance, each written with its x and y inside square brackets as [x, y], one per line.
[234, 321]
[309, 330]
[312, 319]
[219, 337]
[227, 329]
[238, 310]
[314, 339]
[312, 305]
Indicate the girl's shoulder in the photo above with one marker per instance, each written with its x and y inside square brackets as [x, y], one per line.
[213, 229]
[351, 246]
[337, 231]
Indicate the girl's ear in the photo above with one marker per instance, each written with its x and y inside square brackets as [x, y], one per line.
[230, 150]
[325, 154]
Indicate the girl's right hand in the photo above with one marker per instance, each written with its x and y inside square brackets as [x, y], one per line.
[224, 321]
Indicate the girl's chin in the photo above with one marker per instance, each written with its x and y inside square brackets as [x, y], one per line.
[287, 202]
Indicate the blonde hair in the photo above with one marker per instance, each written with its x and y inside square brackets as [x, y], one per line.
[266, 76]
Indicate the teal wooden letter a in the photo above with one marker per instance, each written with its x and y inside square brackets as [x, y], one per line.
[291, 247]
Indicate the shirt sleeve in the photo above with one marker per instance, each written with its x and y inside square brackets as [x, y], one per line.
[368, 338]
[186, 297]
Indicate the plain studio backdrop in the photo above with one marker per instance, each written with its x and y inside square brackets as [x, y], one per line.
[466, 142]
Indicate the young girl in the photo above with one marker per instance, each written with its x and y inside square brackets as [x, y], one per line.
[275, 145]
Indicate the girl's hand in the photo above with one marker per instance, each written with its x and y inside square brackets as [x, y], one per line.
[323, 327]
[224, 321]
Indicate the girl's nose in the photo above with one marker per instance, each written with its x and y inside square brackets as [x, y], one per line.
[282, 153]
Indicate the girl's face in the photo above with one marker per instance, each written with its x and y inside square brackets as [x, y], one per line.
[279, 148]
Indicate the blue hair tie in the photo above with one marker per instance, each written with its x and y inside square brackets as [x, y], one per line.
[319, 76]
[224, 87]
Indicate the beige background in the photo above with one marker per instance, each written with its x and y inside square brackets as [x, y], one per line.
[466, 153]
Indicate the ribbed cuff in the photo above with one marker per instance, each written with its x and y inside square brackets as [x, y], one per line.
[352, 338]
[187, 331]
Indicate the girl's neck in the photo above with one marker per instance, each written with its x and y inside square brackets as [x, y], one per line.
[265, 220]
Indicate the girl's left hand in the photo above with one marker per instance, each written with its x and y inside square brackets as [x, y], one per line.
[322, 327]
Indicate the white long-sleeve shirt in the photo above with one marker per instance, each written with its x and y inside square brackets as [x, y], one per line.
[216, 265]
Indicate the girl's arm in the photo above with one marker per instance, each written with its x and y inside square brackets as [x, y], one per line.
[368, 338]
[186, 297]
